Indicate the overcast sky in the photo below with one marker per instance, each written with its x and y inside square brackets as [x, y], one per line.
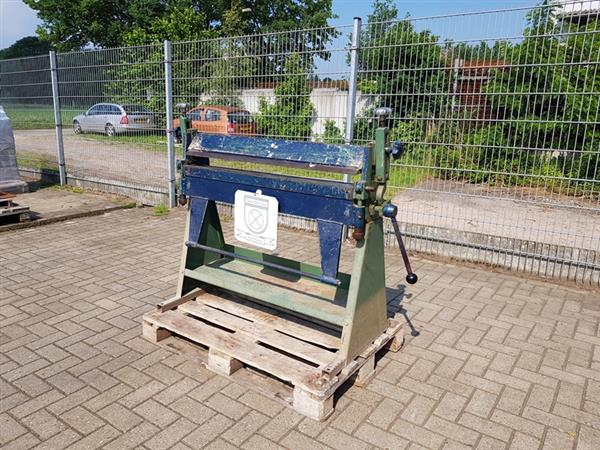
[17, 20]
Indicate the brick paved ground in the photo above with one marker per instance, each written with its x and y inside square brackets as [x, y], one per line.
[499, 361]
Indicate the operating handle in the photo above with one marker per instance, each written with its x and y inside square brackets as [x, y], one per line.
[390, 211]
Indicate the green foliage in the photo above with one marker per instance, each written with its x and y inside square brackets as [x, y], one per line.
[108, 23]
[177, 24]
[291, 115]
[542, 94]
[161, 210]
[28, 46]
[332, 134]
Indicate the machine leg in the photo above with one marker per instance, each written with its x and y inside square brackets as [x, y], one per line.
[221, 363]
[315, 408]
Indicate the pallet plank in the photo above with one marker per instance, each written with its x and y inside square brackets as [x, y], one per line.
[236, 346]
[261, 332]
[247, 309]
[176, 301]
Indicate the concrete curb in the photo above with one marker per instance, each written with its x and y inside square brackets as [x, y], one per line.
[48, 221]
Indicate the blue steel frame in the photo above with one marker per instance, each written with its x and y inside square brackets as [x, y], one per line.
[330, 203]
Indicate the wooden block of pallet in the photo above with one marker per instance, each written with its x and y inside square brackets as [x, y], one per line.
[239, 333]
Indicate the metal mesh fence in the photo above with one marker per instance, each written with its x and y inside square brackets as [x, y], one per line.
[288, 85]
[501, 131]
[113, 108]
[26, 94]
[498, 112]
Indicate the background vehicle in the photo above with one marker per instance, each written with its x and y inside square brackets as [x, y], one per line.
[112, 119]
[220, 120]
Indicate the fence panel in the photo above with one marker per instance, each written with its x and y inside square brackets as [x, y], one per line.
[290, 85]
[26, 94]
[113, 109]
[499, 112]
[501, 133]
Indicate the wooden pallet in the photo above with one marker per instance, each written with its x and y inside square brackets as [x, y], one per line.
[239, 333]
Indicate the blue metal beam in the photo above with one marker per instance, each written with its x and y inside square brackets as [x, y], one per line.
[330, 242]
[309, 198]
[328, 157]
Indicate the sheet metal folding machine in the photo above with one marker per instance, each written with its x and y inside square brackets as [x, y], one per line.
[311, 326]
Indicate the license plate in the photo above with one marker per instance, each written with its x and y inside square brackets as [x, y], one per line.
[142, 121]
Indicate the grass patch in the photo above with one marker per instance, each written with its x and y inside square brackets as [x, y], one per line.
[130, 205]
[154, 142]
[68, 188]
[36, 161]
[161, 210]
[30, 117]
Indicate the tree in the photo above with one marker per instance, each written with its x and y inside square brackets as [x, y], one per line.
[105, 23]
[332, 134]
[28, 46]
[291, 115]
[400, 68]
[543, 98]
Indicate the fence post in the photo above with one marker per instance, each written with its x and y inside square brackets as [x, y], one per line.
[169, 129]
[60, 149]
[351, 104]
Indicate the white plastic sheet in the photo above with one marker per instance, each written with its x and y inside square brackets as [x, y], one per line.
[9, 174]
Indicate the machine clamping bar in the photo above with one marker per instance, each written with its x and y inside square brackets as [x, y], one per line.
[390, 211]
[323, 278]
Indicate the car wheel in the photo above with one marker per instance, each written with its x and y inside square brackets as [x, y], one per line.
[77, 127]
[109, 129]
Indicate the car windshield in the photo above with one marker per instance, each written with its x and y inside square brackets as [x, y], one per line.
[131, 109]
[240, 117]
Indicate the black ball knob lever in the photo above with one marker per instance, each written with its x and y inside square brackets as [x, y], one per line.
[412, 278]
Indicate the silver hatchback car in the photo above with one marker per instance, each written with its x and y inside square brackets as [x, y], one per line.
[112, 119]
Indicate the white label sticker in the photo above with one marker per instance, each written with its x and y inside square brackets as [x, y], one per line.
[255, 219]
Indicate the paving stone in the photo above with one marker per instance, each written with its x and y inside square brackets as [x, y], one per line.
[299, 441]
[192, 410]
[119, 417]
[61, 440]
[134, 437]
[245, 427]
[281, 424]
[262, 403]
[9, 429]
[170, 435]
[452, 430]
[385, 413]
[66, 382]
[43, 424]
[82, 420]
[24, 441]
[340, 440]
[351, 417]
[380, 438]
[206, 432]
[481, 403]
[417, 434]
[156, 413]
[418, 410]
[259, 442]
[97, 439]
[500, 361]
